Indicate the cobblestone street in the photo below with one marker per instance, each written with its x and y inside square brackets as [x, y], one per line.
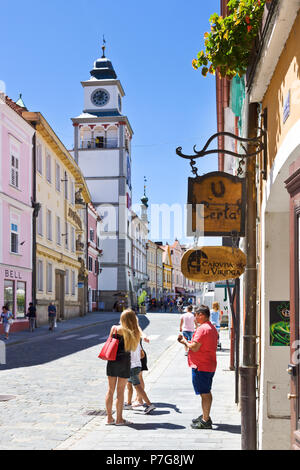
[59, 386]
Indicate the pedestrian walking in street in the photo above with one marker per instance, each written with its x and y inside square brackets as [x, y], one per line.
[215, 314]
[187, 325]
[31, 314]
[7, 320]
[51, 315]
[118, 371]
[215, 318]
[202, 359]
[134, 379]
[180, 304]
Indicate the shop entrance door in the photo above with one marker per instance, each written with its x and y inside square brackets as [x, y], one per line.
[294, 368]
[60, 293]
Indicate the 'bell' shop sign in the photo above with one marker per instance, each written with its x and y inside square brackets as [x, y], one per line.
[213, 263]
[12, 274]
[218, 205]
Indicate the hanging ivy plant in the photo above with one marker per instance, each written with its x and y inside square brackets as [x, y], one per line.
[230, 41]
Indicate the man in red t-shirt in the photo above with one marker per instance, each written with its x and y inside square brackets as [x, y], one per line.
[202, 358]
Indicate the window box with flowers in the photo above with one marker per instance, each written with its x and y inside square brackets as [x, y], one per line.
[229, 44]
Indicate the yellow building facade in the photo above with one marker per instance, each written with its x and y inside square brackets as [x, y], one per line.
[62, 197]
[151, 268]
[273, 90]
[167, 270]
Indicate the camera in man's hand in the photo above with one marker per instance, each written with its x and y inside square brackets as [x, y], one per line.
[180, 338]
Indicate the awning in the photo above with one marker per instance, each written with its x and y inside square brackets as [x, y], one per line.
[179, 290]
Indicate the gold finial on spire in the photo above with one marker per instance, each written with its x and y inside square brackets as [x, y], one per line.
[103, 48]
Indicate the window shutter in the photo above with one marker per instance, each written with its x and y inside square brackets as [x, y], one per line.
[40, 221]
[57, 177]
[39, 161]
[58, 231]
[48, 168]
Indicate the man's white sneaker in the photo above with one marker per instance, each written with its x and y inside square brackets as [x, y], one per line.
[149, 408]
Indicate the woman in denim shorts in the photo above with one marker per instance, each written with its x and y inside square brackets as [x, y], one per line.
[134, 379]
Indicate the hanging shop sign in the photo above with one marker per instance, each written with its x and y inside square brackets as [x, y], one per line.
[213, 263]
[217, 202]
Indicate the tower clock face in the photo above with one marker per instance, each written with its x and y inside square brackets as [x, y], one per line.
[100, 97]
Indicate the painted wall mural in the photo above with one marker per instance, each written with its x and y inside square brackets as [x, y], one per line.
[280, 323]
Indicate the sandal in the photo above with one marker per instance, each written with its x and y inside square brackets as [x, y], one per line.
[137, 404]
[124, 423]
[111, 423]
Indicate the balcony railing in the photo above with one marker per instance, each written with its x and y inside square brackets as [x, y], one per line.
[100, 142]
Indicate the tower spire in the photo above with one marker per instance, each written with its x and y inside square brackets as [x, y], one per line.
[144, 198]
[103, 47]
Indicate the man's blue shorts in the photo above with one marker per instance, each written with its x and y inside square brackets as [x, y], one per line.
[202, 381]
[188, 335]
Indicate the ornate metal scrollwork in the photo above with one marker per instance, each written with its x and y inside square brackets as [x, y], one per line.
[258, 141]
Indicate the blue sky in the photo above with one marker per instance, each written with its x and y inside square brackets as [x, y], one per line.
[49, 47]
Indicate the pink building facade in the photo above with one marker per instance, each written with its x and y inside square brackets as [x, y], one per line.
[16, 137]
[94, 254]
[176, 254]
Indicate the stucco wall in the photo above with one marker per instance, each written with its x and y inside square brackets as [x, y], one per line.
[285, 78]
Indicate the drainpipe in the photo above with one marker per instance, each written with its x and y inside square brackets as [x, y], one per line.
[248, 369]
[86, 283]
[34, 216]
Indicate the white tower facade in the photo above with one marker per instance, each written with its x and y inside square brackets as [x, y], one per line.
[102, 149]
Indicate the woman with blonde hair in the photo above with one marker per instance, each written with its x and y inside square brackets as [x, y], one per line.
[118, 371]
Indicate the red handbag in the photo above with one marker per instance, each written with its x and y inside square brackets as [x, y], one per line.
[110, 348]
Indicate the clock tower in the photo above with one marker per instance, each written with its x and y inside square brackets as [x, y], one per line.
[102, 149]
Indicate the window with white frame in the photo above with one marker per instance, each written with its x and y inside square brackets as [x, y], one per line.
[14, 171]
[40, 222]
[14, 238]
[39, 158]
[49, 225]
[72, 239]
[67, 282]
[40, 277]
[58, 230]
[73, 283]
[49, 277]
[91, 235]
[57, 177]
[90, 264]
[48, 168]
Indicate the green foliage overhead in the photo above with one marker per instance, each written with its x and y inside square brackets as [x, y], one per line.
[230, 41]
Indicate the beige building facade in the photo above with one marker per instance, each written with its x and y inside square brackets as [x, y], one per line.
[61, 197]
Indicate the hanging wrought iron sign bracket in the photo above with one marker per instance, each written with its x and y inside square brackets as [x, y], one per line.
[258, 141]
